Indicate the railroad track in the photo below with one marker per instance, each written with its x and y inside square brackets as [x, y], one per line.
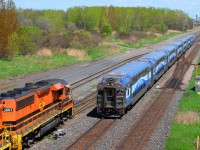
[102, 72]
[93, 135]
[87, 102]
[142, 131]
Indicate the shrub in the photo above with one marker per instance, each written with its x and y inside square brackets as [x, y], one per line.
[82, 39]
[28, 39]
[55, 41]
[160, 28]
[106, 29]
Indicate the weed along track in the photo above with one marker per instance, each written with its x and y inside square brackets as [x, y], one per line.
[91, 137]
[142, 131]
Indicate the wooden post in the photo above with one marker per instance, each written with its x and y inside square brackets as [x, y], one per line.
[197, 142]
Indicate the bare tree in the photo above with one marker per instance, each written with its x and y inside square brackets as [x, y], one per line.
[8, 25]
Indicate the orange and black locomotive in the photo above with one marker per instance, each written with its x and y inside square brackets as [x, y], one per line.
[28, 113]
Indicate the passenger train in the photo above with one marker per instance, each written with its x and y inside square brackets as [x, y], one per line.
[29, 112]
[122, 87]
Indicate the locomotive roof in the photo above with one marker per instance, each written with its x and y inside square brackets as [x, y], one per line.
[126, 72]
[154, 55]
[30, 88]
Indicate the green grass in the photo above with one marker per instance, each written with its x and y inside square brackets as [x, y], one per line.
[151, 40]
[102, 51]
[183, 136]
[26, 65]
[111, 39]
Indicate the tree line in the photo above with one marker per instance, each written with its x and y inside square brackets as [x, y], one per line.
[24, 31]
[127, 19]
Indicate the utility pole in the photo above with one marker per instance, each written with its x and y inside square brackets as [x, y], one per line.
[196, 22]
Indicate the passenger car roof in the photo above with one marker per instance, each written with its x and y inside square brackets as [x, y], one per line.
[167, 48]
[154, 55]
[125, 73]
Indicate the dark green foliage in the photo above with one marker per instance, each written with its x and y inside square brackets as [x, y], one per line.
[106, 29]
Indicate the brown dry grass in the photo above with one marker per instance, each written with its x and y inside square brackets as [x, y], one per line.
[131, 40]
[44, 52]
[188, 117]
[76, 52]
[111, 46]
[173, 31]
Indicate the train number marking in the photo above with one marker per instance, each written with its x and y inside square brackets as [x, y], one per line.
[8, 110]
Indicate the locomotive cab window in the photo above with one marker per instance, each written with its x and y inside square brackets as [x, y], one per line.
[60, 92]
[67, 91]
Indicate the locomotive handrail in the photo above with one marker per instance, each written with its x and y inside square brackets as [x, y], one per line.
[39, 118]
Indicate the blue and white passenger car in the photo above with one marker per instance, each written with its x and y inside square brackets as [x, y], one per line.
[122, 87]
[160, 65]
[170, 50]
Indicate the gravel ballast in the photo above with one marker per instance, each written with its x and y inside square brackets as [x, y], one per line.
[75, 127]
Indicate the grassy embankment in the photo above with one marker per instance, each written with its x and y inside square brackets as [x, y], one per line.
[186, 125]
[21, 65]
[148, 41]
[25, 65]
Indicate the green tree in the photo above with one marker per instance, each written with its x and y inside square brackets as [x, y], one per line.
[28, 39]
[106, 29]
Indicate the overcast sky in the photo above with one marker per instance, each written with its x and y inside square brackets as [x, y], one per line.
[191, 7]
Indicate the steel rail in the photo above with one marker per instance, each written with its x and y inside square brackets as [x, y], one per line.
[87, 102]
[102, 72]
[92, 135]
